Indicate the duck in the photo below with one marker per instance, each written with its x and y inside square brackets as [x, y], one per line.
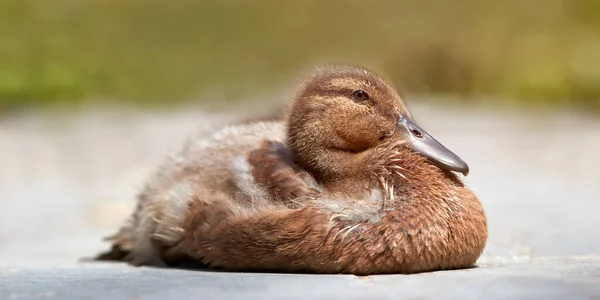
[345, 182]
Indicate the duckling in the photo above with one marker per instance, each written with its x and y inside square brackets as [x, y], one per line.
[393, 202]
[382, 197]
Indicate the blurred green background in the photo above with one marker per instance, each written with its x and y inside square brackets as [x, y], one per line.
[64, 53]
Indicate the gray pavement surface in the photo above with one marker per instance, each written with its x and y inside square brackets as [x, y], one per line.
[67, 182]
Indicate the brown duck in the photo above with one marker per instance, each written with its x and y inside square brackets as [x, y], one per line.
[350, 185]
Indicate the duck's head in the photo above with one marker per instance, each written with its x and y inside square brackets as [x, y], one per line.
[341, 113]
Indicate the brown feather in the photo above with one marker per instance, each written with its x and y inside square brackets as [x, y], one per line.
[273, 168]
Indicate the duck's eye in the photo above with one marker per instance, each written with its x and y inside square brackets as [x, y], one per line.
[360, 95]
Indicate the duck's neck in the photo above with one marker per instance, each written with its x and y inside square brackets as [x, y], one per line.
[333, 167]
[398, 171]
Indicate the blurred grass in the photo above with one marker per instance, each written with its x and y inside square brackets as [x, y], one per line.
[62, 53]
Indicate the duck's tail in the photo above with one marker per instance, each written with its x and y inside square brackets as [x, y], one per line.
[121, 246]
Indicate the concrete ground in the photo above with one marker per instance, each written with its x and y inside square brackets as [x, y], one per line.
[65, 183]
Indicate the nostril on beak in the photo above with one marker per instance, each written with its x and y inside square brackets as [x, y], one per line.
[417, 133]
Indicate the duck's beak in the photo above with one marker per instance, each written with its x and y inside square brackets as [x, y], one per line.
[424, 144]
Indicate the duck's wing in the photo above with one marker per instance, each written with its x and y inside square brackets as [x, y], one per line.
[273, 168]
[315, 239]
[281, 239]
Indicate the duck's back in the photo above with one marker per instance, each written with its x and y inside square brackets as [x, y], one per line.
[212, 166]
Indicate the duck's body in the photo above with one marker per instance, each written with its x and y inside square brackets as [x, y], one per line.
[442, 226]
[364, 199]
